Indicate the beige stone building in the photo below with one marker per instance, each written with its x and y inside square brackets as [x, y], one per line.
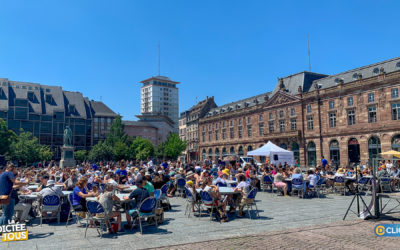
[347, 117]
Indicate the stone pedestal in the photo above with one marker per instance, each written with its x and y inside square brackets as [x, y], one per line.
[67, 157]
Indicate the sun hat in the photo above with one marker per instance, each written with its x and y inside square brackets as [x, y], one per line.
[190, 183]
[51, 183]
[225, 172]
[189, 174]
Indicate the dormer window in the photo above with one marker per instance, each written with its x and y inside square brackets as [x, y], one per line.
[375, 71]
[72, 109]
[355, 76]
[31, 96]
[49, 99]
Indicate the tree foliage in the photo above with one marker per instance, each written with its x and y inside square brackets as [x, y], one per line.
[101, 152]
[121, 150]
[45, 153]
[26, 149]
[117, 133]
[81, 155]
[141, 149]
[6, 137]
[172, 147]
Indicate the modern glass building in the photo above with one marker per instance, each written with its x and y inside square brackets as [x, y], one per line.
[45, 111]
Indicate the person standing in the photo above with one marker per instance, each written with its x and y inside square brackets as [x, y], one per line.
[324, 162]
[7, 182]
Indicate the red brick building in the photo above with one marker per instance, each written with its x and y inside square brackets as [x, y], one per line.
[347, 117]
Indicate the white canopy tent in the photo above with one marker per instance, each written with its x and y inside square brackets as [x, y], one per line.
[276, 154]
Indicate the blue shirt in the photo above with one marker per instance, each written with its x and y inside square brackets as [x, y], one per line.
[324, 162]
[165, 165]
[121, 172]
[76, 199]
[5, 183]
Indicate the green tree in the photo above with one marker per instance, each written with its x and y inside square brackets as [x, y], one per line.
[25, 148]
[121, 150]
[101, 152]
[45, 153]
[81, 155]
[174, 146]
[141, 148]
[6, 137]
[117, 132]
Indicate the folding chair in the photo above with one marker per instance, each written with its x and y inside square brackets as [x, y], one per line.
[249, 204]
[267, 181]
[164, 196]
[50, 204]
[180, 186]
[72, 211]
[363, 184]
[209, 203]
[299, 186]
[89, 186]
[157, 195]
[384, 183]
[338, 183]
[146, 210]
[93, 214]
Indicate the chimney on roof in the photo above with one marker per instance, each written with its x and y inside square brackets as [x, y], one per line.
[281, 85]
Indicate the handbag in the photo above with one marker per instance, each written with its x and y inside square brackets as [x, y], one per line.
[5, 199]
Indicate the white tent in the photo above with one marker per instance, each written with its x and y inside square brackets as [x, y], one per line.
[276, 154]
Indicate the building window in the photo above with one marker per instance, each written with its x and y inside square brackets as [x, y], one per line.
[350, 102]
[249, 132]
[240, 121]
[293, 124]
[309, 108]
[271, 127]
[331, 104]
[223, 133]
[351, 117]
[240, 134]
[310, 123]
[282, 126]
[292, 111]
[332, 119]
[372, 114]
[216, 135]
[209, 135]
[223, 124]
[371, 97]
[231, 133]
[270, 116]
[260, 119]
[395, 93]
[248, 120]
[203, 136]
[216, 125]
[31, 96]
[396, 111]
[261, 128]
[281, 113]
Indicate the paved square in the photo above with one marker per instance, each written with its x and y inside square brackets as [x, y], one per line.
[277, 213]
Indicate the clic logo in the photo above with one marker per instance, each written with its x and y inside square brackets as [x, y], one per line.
[387, 230]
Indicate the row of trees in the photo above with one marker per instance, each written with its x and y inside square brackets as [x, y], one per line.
[23, 148]
[26, 149]
[119, 146]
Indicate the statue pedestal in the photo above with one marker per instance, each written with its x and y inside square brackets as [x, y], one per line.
[67, 157]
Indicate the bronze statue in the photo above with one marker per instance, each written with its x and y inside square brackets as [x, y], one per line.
[67, 136]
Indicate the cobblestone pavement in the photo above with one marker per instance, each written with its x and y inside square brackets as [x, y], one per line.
[296, 221]
[343, 235]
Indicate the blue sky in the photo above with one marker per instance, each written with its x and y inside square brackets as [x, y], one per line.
[227, 49]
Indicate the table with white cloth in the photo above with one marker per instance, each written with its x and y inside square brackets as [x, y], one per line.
[128, 189]
[33, 187]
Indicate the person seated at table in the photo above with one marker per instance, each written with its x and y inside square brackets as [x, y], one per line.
[223, 178]
[116, 186]
[382, 172]
[286, 172]
[312, 179]
[71, 180]
[192, 189]
[107, 200]
[158, 181]
[22, 208]
[367, 171]
[241, 199]
[137, 196]
[50, 189]
[148, 185]
[80, 194]
[279, 182]
[121, 173]
[215, 194]
[174, 185]
[43, 183]
[297, 174]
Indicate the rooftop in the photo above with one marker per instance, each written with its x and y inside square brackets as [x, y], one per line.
[160, 78]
